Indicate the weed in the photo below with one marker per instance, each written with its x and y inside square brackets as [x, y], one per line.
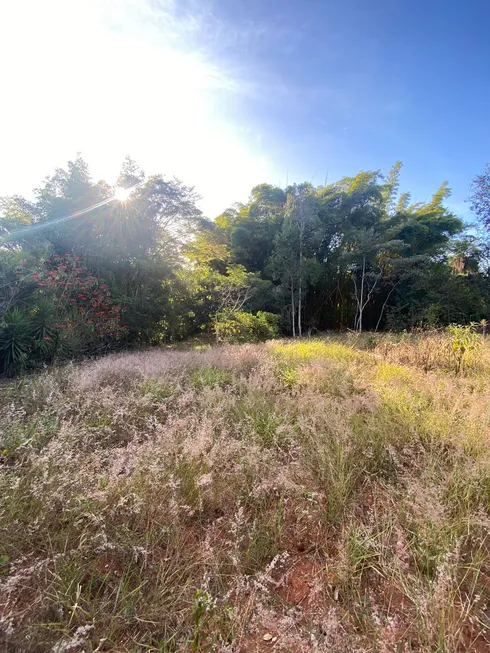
[203, 608]
[289, 376]
[464, 340]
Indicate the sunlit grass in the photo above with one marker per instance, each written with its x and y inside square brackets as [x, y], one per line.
[334, 490]
[313, 349]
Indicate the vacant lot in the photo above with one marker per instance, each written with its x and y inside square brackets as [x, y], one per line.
[317, 495]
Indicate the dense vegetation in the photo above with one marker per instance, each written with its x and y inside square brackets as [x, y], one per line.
[300, 495]
[83, 271]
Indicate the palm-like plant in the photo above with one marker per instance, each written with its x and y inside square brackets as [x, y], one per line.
[43, 325]
[15, 340]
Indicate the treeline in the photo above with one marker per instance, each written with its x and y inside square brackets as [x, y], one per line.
[87, 267]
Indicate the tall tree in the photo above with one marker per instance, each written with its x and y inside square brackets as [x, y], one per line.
[390, 189]
[480, 198]
[131, 174]
[283, 267]
[301, 211]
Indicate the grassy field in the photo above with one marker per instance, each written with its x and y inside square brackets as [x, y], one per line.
[330, 494]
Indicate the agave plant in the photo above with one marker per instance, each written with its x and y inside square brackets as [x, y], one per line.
[43, 325]
[15, 340]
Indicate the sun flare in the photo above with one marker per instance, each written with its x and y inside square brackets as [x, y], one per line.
[121, 194]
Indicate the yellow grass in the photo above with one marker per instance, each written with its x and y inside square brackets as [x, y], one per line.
[333, 493]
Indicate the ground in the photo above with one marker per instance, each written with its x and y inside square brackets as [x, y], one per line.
[330, 494]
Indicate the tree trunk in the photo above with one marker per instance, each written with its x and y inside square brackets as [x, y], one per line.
[293, 310]
[299, 301]
[216, 328]
[384, 306]
[341, 301]
[300, 279]
[361, 305]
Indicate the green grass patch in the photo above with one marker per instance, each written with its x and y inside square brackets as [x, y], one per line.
[210, 377]
[158, 390]
[313, 349]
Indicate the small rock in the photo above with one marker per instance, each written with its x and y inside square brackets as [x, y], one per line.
[267, 637]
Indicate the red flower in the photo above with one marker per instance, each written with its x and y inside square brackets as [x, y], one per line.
[48, 339]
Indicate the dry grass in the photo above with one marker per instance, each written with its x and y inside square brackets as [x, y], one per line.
[332, 493]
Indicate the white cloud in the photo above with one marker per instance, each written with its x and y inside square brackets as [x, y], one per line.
[110, 78]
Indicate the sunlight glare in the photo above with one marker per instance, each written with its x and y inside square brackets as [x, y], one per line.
[121, 194]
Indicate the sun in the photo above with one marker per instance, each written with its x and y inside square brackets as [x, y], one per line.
[121, 194]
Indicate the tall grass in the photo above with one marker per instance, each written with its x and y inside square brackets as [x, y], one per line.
[329, 494]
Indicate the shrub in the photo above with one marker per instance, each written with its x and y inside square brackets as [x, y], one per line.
[15, 340]
[464, 340]
[240, 326]
[69, 312]
[82, 303]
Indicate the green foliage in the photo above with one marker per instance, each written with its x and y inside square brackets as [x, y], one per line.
[43, 321]
[464, 340]
[159, 390]
[289, 376]
[65, 312]
[240, 326]
[4, 562]
[353, 254]
[204, 606]
[15, 340]
[480, 198]
[210, 377]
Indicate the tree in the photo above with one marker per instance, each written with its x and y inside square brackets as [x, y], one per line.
[252, 227]
[131, 174]
[480, 198]
[15, 213]
[355, 252]
[283, 267]
[368, 259]
[135, 245]
[232, 291]
[301, 210]
[390, 189]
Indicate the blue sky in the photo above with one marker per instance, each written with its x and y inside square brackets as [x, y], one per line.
[355, 84]
[228, 93]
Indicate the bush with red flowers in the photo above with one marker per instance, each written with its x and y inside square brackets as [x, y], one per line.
[85, 317]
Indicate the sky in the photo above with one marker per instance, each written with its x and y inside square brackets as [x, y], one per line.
[226, 94]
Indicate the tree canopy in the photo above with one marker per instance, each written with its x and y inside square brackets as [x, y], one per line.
[85, 268]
